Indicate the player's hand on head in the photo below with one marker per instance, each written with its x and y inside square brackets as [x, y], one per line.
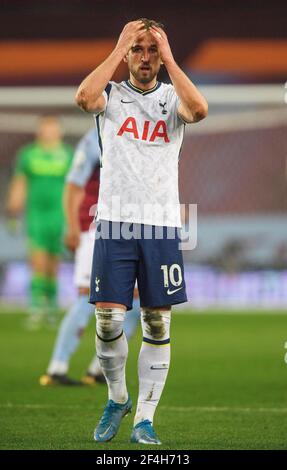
[131, 31]
[162, 43]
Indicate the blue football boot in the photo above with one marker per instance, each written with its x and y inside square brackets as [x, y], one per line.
[110, 421]
[143, 433]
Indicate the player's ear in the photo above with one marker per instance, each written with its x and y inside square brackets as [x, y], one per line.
[125, 59]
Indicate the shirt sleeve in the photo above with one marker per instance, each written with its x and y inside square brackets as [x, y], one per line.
[86, 159]
[106, 95]
[174, 101]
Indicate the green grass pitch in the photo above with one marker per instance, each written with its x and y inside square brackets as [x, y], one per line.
[226, 389]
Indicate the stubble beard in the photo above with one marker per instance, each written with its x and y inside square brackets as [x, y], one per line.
[143, 79]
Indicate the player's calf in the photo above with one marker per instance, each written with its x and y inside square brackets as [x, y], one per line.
[153, 366]
[112, 351]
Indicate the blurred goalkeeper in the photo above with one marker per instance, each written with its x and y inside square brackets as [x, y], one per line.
[37, 188]
[81, 195]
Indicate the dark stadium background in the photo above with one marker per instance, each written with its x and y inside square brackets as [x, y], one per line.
[233, 166]
[236, 176]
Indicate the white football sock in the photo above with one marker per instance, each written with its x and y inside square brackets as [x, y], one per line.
[153, 362]
[129, 326]
[95, 366]
[112, 351]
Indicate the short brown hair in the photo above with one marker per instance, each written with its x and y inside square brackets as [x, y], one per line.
[148, 23]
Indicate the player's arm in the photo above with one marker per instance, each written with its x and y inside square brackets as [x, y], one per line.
[90, 96]
[73, 197]
[17, 192]
[193, 106]
[86, 159]
[16, 198]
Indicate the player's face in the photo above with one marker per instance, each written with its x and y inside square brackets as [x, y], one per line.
[144, 59]
[49, 130]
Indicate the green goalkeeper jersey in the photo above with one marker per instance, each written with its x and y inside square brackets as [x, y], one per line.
[45, 172]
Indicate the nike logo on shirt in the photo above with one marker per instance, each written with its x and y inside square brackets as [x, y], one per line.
[126, 102]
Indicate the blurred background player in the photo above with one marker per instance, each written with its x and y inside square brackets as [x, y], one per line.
[81, 195]
[37, 189]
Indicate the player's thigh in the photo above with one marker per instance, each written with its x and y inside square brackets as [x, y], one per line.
[161, 272]
[110, 305]
[36, 238]
[38, 260]
[114, 271]
[53, 265]
[46, 234]
[53, 234]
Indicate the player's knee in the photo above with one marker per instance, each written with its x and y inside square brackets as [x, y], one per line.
[109, 323]
[156, 323]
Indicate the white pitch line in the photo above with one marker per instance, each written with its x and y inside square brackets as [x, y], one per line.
[177, 409]
[38, 406]
[219, 409]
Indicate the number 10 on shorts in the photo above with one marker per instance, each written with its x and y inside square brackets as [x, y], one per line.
[171, 275]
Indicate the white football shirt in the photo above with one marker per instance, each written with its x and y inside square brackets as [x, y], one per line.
[141, 136]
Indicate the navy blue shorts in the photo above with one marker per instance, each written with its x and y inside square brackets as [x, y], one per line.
[155, 263]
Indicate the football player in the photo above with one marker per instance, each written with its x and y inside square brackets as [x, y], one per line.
[142, 124]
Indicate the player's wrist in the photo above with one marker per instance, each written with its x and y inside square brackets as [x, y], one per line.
[120, 52]
[169, 61]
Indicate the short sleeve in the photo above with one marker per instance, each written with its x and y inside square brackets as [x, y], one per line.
[86, 159]
[174, 101]
[106, 95]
